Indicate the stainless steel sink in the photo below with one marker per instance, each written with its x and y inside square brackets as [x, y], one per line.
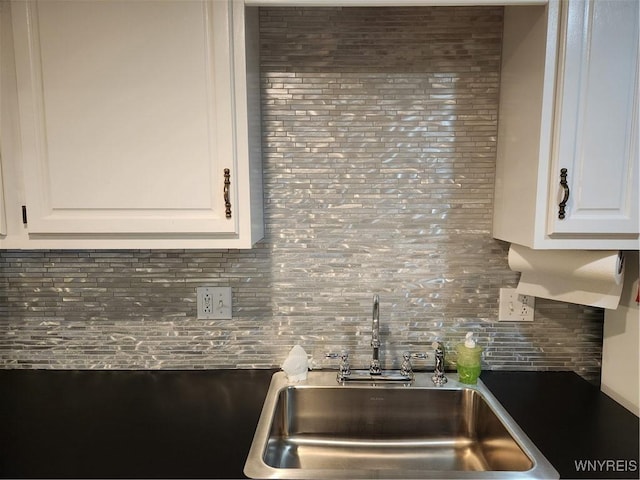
[322, 429]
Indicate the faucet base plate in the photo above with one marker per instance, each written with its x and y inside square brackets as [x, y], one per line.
[366, 376]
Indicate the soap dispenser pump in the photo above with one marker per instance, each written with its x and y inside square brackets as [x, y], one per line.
[469, 360]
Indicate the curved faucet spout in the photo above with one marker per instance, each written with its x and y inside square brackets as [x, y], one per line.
[375, 328]
[374, 368]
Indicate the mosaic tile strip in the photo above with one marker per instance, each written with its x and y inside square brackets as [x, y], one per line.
[379, 139]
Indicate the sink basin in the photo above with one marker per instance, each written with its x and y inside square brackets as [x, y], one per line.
[322, 429]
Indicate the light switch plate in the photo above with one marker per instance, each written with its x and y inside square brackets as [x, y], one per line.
[515, 307]
[214, 303]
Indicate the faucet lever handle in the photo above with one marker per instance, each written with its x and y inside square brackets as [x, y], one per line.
[406, 368]
[344, 369]
[341, 355]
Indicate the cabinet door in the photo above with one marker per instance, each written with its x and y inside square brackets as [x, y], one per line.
[596, 115]
[4, 8]
[3, 220]
[126, 115]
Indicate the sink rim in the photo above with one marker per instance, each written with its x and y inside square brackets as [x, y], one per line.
[255, 467]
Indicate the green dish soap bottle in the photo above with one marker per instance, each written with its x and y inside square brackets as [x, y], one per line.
[469, 360]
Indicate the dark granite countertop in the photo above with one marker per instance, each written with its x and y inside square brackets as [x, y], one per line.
[199, 424]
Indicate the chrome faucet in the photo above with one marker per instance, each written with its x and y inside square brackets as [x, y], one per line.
[374, 368]
[439, 377]
[375, 373]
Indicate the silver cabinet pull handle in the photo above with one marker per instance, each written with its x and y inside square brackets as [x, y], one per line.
[565, 198]
[227, 184]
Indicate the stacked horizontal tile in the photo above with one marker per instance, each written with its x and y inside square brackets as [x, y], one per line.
[379, 139]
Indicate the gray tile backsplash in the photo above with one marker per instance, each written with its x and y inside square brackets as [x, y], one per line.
[379, 146]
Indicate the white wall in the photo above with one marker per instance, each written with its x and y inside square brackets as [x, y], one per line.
[621, 344]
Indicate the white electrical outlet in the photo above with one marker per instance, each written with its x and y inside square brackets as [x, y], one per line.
[214, 303]
[515, 307]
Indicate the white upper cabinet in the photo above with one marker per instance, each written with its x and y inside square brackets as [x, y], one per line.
[3, 220]
[573, 119]
[8, 133]
[134, 125]
[596, 119]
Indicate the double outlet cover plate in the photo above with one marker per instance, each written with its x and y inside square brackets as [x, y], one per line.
[515, 307]
[214, 303]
